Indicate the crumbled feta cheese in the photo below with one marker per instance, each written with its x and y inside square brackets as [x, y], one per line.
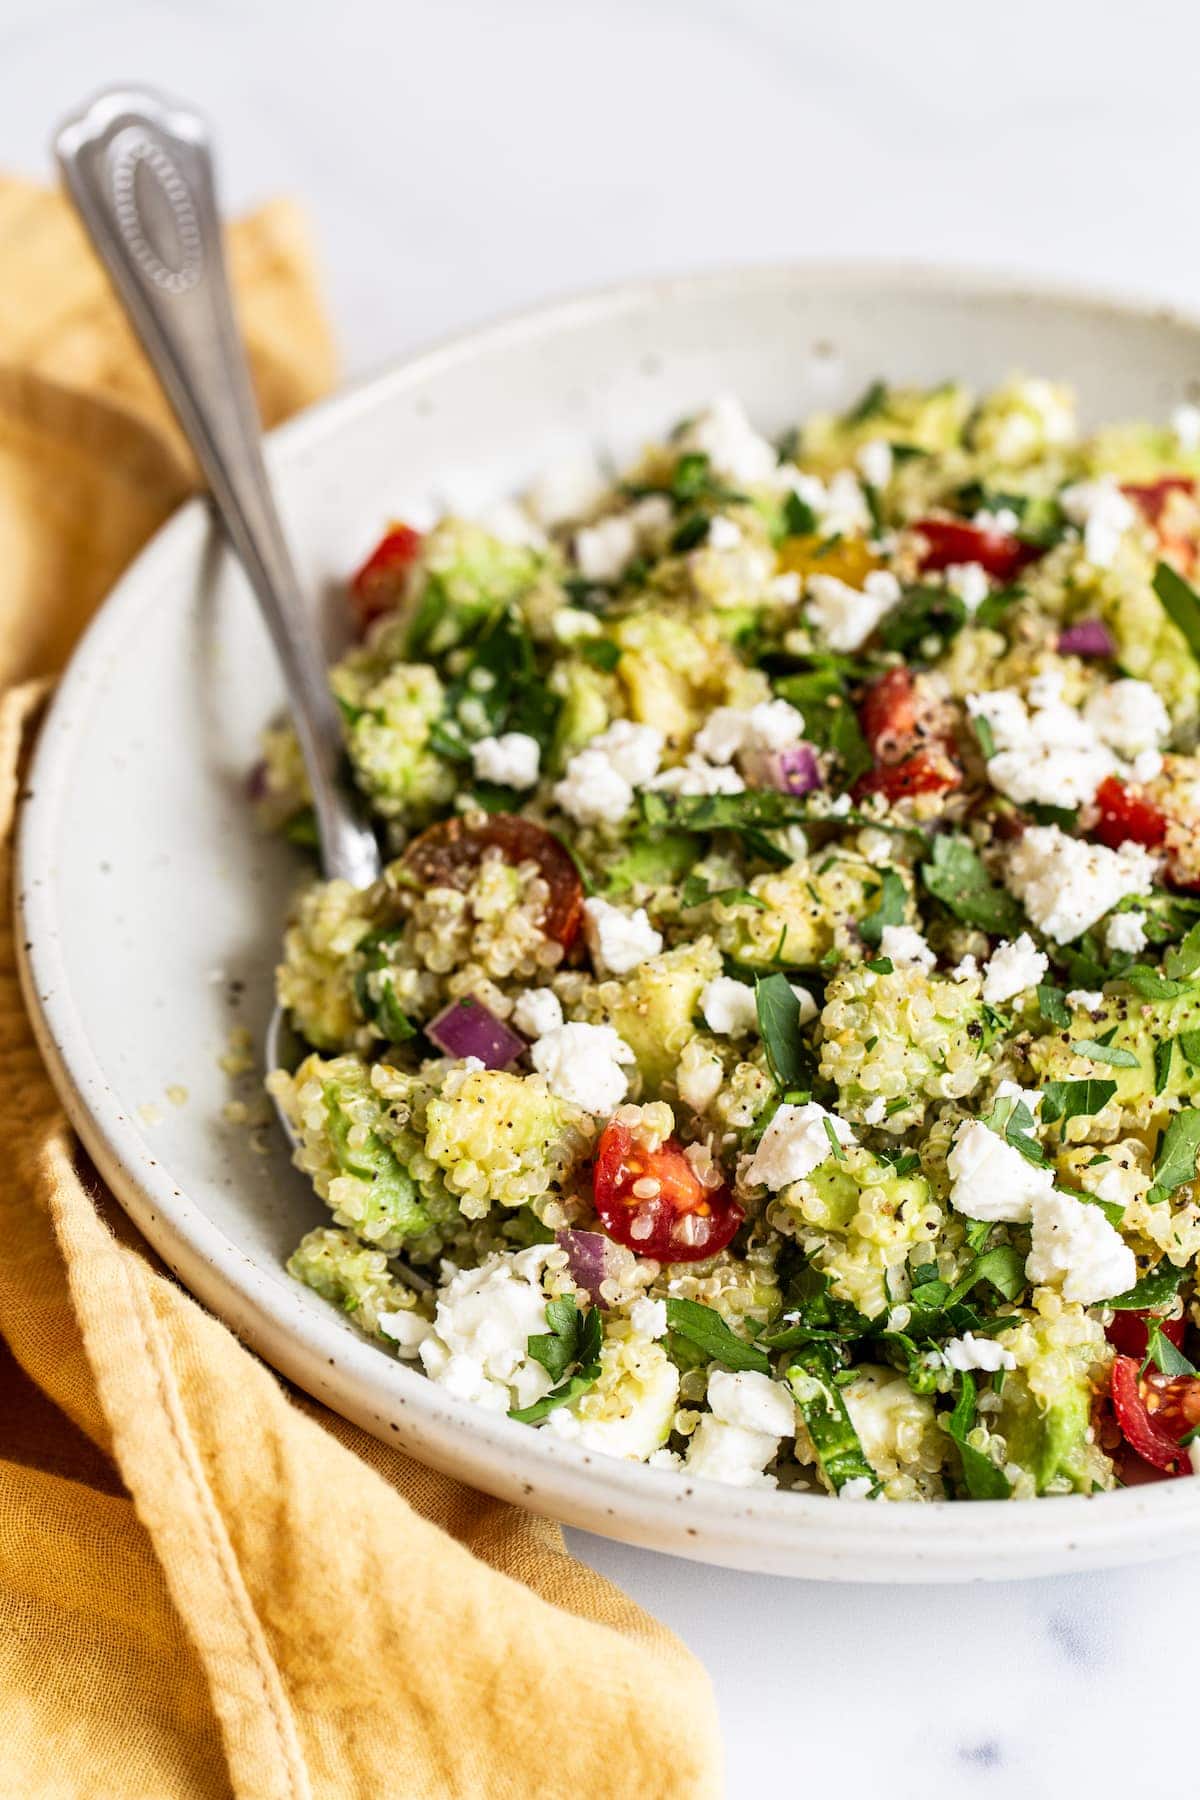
[1065, 885]
[906, 948]
[649, 1317]
[699, 1075]
[637, 1432]
[785, 587]
[570, 623]
[694, 775]
[735, 450]
[1126, 931]
[729, 1007]
[1085, 999]
[876, 1112]
[633, 750]
[723, 533]
[808, 1006]
[753, 1401]
[1146, 766]
[406, 1329]
[1073, 1244]
[966, 970]
[971, 1352]
[796, 1142]
[730, 1453]
[604, 551]
[1104, 514]
[592, 791]
[990, 1179]
[970, 582]
[537, 1011]
[510, 760]
[479, 1346]
[1049, 755]
[730, 730]
[844, 617]
[618, 940]
[1012, 969]
[1003, 521]
[844, 510]
[505, 520]
[1185, 423]
[859, 1487]
[569, 489]
[874, 461]
[1129, 716]
[583, 1064]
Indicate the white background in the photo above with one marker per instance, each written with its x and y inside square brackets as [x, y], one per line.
[465, 157]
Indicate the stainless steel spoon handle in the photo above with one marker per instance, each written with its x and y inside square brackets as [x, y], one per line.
[139, 170]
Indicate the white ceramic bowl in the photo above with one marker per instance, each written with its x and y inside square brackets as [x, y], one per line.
[145, 892]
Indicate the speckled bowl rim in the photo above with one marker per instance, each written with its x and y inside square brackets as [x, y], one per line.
[789, 1534]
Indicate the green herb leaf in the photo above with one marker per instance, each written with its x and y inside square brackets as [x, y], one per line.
[573, 1338]
[1181, 603]
[690, 533]
[601, 652]
[790, 1057]
[839, 1450]
[955, 875]
[799, 519]
[708, 1331]
[1162, 1063]
[1075, 1099]
[984, 1481]
[1183, 959]
[1052, 1003]
[1165, 1356]
[1153, 986]
[1003, 1267]
[1155, 1289]
[1112, 1054]
[1176, 1159]
[923, 612]
[890, 910]
[696, 890]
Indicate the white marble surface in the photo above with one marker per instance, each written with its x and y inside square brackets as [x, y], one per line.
[463, 157]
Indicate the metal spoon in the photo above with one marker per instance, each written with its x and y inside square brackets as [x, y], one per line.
[140, 172]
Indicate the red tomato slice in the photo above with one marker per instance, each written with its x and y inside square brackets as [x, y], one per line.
[376, 588]
[1150, 497]
[1154, 1411]
[447, 855]
[1129, 1332]
[888, 715]
[1125, 817]
[952, 541]
[654, 1203]
[931, 770]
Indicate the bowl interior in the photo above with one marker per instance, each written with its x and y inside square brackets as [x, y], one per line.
[153, 908]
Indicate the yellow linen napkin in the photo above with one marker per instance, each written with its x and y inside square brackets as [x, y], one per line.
[209, 1585]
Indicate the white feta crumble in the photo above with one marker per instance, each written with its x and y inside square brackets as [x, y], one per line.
[571, 623]
[990, 1179]
[735, 450]
[1126, 931]
[1185, 423]
[604, 551]
[875, 462]
[584, 1064]
[971, 1352]
[970, 582]
[1001, 521]
[723, 533]
[736, 1440]
[1103, 513]
[618, 940]
[785, 587]
[649, 1317]
[1074, 1244]
[695, 775]
[598, 785]
[797, 1141]
[478, 1348]
[699, 1076]
[729, 1007]
[844, 617]
[808, 1006]
[966, 970]
[876, 1112]
[1012, 969]
[568, 489]
[730, 730]
[754, 1401]
[510, 760]
[1146, 765]
[1128, 716]
[1065, 885]
[1048, 754]
[537, 1011]
[859, 1487]
[906, 948]
[1085, 999]
[406, 1329]
[509, 522]
[633, 750]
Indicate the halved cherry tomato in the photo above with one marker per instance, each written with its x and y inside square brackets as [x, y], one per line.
[888, 715]
[1154, 1411]
[952, 541]
[376, 588]
[654, 1203]
[447, 855]
[931, 770]
[1150, 497]
[1125, 817]
[1129, 1332]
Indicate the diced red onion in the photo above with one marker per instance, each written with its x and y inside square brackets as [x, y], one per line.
[467, 1028]
[591, 1259]
[1087, 637]
[792, 771]
[256, 783]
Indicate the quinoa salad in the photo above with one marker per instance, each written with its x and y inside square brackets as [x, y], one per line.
[772, 1051]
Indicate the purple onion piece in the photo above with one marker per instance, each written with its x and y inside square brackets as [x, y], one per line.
[1087, 637]
[467, 1028]
[591, 1258]
[256, 783]
[792, 771]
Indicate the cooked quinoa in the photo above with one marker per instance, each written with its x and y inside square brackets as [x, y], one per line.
[772, 1050]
